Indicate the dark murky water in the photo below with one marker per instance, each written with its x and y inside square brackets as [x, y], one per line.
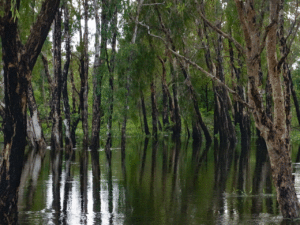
[157, 183]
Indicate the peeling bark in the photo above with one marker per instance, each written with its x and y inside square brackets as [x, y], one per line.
[37, 131]
[276, 132]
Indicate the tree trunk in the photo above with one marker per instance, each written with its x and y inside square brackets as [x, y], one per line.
[100, 57]
[154, 109]
[84, 87]
[177, 118]
[38, 136]
[295, 99]
[147, 132]
[241, 114]
[75, 121]
[67, 121]
[275, 133]
[57, 83]
[123, 131]
[165, 113]
[18, 62]
[223, 121]
[111, 68]
[195, 103]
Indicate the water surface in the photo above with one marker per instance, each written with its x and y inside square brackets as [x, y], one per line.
[162, 182]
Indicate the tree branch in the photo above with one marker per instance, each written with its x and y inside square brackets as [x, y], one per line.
[49, 78]
[162, 3]
[229, 37]
[39, 32]
[214, 78]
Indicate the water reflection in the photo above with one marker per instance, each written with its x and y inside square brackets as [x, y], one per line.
[160, 181]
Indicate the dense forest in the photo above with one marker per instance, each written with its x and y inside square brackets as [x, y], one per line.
[87, 72]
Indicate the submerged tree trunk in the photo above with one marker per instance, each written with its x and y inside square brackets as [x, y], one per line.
[147, 132]
[18, 62]
[241, 113]
[111, 69]
[100, 57]
[165, 113]
[196, 106]
[84, 87]
[223, 124]
[275, 133]
[154, 109]
[123, 131]
[56, 94]
[177, 117]
[67, 121]
[76, 119]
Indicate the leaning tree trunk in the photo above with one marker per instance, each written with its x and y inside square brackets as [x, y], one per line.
[18, 62]
[195, 103]
[57, 82]
[295, 99]
[67, 121]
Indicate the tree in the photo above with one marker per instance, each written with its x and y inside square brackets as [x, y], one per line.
[19, 60]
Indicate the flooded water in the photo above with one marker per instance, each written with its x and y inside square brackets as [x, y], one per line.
[157, 183]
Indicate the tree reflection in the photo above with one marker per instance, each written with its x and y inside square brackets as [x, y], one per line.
[68, 183]
[96, 187]
[223, 156]
[56, 165]
[83, 184]
[144, 158]
[261, 179]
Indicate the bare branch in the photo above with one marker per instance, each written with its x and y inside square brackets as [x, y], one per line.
[214, 78]
[162, 3]
[149, 33]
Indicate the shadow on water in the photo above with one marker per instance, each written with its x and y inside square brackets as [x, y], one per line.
[153, 181]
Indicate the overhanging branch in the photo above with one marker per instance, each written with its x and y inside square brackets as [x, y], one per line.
[211, 76]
